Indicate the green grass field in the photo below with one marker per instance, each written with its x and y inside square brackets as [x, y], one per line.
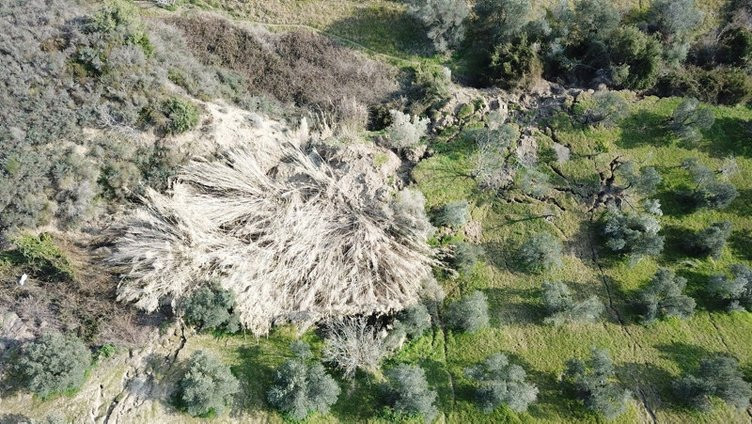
[647, 357]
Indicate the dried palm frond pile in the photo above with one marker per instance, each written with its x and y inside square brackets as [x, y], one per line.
[294, 236]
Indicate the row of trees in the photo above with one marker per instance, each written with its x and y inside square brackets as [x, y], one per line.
[593, 42]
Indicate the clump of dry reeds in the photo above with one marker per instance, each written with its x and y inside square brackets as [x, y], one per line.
[295, 238]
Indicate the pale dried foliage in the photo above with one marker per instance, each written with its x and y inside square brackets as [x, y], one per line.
[294, 238]
[353, 344]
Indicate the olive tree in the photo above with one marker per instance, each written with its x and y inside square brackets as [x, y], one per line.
[596, 384]
[207, 386]
[499, 382]
[211, 308]
[710, 189]
[632, 233]
[663, 297]
[454, 214]
[735, 291]
[408, 392]
[718, 376]
[469, 313]
[51, 363]
[711, 240]
[302, 386]
[541, 252]
[562, 307]
[689, 119]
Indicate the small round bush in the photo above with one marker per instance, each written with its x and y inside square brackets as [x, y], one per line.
[409, 394]
[302, 387]
[207, 386]
[181, 115]
[499, 382]
[541, 252]
[455, 214]
[469, 313]
[414, 320]
[465, 256]
[718, 376]
[211, 309]
[52, 363]
[711, 240]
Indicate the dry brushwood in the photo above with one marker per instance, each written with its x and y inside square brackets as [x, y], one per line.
[353, 344]
[295, 238]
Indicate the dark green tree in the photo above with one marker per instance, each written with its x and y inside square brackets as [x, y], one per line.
[711, 240]
[207, 387]
[735, 291]
[211, 308]
[541, 252]
[51, 363]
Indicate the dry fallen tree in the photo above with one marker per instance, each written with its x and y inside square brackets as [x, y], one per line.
[296, 239]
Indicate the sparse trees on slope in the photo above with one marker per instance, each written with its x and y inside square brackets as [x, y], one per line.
[499, 382]
[717, 376]
[51, 363]
[409, 394]
[561, 306]
[469, 313]
[444, 20]
[596, 384]
[207, 387]
[302, 386]
[663, 297]
[406, 132]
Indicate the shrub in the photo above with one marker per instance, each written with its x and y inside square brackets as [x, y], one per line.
[352, 344]
[498, 382]
[632, 233]
[736, 291]
[454, 214]
[561, 306]
[689, 118]
[469, 313]
[414, 321]
[465, 256]
[541, 252]
[179, 115]
[514, 63]
[720, 85]
[42, 257]
[711, 240]
[595, 19]
[492, 170]
[735, 47]
[596, 384]
[211, 309]
[444, 20]
[608, 109]
[408, 392]
[51, 363]
[635, 59]
[207, 386]
[663, 297]
[302, 387]
[644, 181]
[717, 376]
[405, 132]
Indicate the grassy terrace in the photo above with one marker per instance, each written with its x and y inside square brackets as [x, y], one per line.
[648, 357]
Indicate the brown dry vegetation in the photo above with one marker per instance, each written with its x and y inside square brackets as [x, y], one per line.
[84, 305]
[298, 67]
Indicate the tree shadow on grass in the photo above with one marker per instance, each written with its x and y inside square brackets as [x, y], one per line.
[741, 243]
[644, 128]
[686, 356]
[512, 305]
[254, 375]
[742, 205]
[677, 202]
[648, 383]
[728, 137]
[383, 30]
[360, 398]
